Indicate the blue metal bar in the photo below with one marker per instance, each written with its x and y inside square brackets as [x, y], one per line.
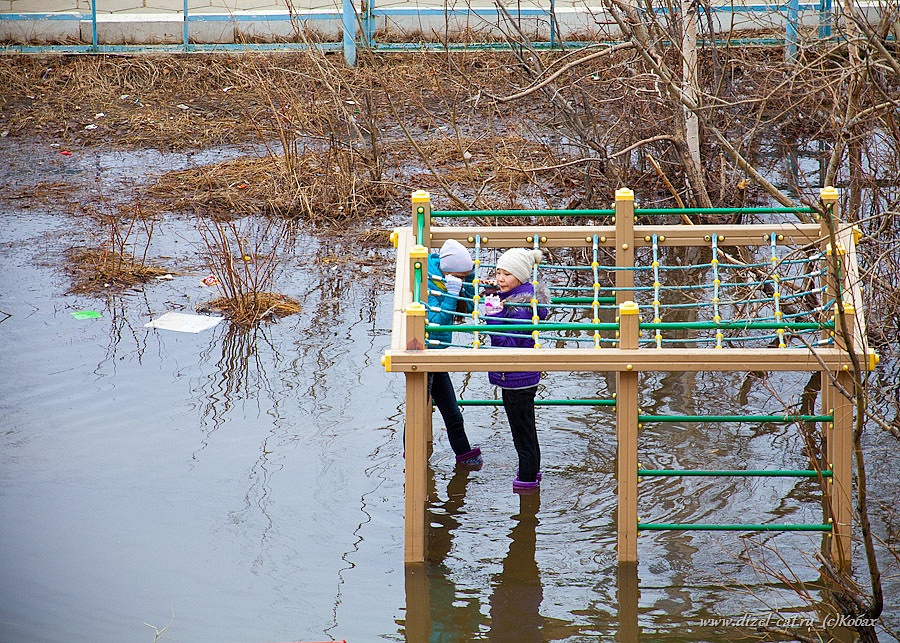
[94, 39]
[349, 35]
[791, 37]
[552, 24]
[186, 36]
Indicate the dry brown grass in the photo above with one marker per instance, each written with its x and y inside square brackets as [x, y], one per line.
[253, 308]
[320, 187]
[95, 269]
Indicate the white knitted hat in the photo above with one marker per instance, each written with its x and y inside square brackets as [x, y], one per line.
[519, 262]
[455, 257]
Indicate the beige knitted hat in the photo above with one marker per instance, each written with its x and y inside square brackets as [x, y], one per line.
[519, 262]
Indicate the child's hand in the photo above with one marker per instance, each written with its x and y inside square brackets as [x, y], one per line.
[492, 305]
[453, 284]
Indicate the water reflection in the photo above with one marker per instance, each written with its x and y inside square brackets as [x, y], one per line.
[517, 596]
[437, 611]
[440, 610]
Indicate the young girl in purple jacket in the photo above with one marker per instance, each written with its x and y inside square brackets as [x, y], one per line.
[515, 270]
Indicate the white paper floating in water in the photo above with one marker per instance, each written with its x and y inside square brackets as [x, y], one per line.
[183, 322]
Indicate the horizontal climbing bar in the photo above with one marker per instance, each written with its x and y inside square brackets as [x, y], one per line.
[648, 211]
[481, 328]
[666, 526]
[750, 325]
[506, 328]
[521, 213]
[746, 473]
[736, 418]
[582, 300]
[541, 402]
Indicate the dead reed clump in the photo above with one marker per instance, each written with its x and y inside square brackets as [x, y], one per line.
[245, 257]
[323, 188]
[253, 308]
[96, 268]
[119, 258]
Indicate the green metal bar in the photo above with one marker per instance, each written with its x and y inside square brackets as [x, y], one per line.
[594, 213]
[541, 402]
[647, 211]
[736, 418]
[417, 285]
[762, 473]
[770, 325]
[420, 225]
[582, 300]
[507, 328]
[666, 526]
[458, 214]
[468, 328]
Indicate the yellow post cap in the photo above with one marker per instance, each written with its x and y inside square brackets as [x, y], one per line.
[394, 238]
[857, 234]
[624, 194]
[386, 362]
[415, 309]
[418, 251]
[874, 360]
[828, 193]
[421, 196]
[628, 308]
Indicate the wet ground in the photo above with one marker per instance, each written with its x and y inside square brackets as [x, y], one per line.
[237, 486]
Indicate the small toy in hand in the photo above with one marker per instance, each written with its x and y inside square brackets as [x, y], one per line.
[493, 305]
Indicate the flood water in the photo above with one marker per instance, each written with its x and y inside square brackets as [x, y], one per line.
[247, 487]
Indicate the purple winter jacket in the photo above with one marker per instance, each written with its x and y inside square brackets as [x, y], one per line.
[520, 294]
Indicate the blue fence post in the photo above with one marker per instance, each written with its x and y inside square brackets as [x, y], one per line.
[791, 31]
[367, 9]
[552, 24]
[349, 19]
[824, 19]
[94, 39]
[186, 35]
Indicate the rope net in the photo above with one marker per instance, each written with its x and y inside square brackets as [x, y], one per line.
[770, 295]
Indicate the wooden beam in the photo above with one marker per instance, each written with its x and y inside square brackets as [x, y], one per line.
[669, 235]
[669, 360]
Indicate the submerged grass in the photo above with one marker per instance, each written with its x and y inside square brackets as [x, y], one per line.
[97, 268]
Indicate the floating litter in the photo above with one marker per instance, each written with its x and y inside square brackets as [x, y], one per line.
[184, 322]
[86, 314]
[210, 281]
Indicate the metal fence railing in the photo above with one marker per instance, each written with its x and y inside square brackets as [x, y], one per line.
[355, 27]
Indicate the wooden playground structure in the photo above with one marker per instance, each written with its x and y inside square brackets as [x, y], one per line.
[837, 349]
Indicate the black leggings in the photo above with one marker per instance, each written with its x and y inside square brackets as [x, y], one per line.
[519, 406]
[444, 397]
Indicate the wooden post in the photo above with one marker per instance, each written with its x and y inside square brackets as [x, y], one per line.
[624, 246]
[840, 446]
[421, 217]
[839, 436]
[627, 436]
[417, 410]
[829, 197]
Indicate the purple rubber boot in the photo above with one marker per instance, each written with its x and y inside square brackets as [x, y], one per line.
[520, 486]
[471, 459]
